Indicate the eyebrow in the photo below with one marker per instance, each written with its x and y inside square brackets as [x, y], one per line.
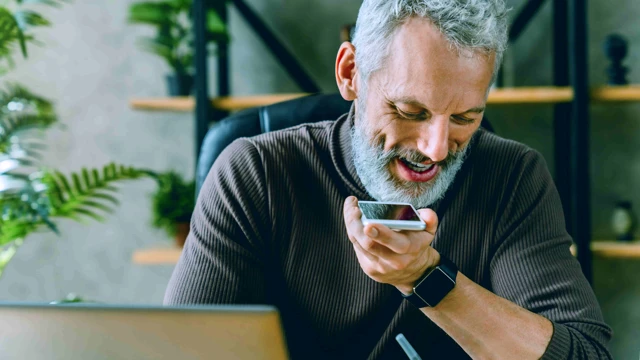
[413, 102]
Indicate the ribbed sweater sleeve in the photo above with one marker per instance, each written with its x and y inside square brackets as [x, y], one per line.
[223, 258]
[531, 238]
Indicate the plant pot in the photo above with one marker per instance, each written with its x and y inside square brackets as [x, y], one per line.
[182, 231]
[180, 84]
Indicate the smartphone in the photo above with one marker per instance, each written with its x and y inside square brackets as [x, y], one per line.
[396, 216]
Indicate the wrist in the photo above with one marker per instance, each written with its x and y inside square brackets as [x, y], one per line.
[434, 285]
[407, 289]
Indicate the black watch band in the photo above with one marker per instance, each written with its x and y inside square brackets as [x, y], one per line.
[434, 285]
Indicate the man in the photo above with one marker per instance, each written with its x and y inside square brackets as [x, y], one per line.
[492, 276]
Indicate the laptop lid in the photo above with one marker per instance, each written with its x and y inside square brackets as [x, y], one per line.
[97, 332]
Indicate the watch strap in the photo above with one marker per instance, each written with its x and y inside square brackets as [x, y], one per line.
[434, 285]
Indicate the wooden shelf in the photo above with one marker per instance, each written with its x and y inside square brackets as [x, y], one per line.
[229, 103]
[530, 95]
[625, 93]
[541, 95]
[525, 95]
[616, 249]
[163, 104]
[613, 249]
[157, 256]
[519, 95]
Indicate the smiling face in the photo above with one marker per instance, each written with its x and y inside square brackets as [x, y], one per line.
[418, 114]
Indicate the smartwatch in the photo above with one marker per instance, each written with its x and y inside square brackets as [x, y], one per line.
[434, 285]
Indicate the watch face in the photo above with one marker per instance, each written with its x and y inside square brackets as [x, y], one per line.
[435, 286]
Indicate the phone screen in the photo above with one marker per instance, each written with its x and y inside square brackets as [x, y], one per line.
[382, 211]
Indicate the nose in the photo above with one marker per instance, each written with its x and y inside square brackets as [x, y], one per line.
[434, 138]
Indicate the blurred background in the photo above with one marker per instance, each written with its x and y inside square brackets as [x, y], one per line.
[113, 104]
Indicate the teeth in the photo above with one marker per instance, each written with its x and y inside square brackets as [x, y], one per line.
[417, 167]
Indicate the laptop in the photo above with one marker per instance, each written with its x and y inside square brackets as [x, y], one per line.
[97, 332]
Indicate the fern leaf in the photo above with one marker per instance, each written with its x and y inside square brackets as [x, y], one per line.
[89, 213]
[86, 178]
[52, 3]
[65, 187]
[106, 197]
[77, 184]
[89, 192]
[107, 173]
[98, 205]
[12, 30]
[96, 177]
[21, 111]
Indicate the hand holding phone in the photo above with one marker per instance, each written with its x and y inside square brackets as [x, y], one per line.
[396, 216]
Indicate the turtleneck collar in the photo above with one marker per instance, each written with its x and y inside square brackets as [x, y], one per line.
[342, 154]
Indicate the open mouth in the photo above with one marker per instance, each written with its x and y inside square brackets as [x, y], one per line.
[416, 172]
[417, 167]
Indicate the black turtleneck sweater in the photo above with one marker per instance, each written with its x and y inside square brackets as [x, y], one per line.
[268, 229]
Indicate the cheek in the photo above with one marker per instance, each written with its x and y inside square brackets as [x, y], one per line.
[381, 126]
[460, 136]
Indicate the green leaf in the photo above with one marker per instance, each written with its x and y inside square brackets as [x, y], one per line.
[7, 253]
[150, 13]
[26, 18]
[11, 30]
[90, 192]
[77, 184]
[96, 177]
[215, 25]
[106, 197]
[89, 213]
[52, 3]
[173, 202]
[65, 186]
[20, 112]
[86, 178]
[98, 205]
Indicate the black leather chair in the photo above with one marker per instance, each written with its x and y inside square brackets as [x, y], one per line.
[251, 122]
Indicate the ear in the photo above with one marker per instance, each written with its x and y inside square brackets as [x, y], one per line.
[346, 71]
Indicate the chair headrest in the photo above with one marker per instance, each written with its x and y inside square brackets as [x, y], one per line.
[308, 109]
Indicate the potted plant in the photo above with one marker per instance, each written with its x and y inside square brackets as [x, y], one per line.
[33, 197]
[173, 40]
[173, 204]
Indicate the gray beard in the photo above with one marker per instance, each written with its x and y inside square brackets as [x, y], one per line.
[372, 165]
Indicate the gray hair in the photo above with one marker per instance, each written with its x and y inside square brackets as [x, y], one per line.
[476, 25]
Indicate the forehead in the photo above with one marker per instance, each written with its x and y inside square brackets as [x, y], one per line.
[423, 65]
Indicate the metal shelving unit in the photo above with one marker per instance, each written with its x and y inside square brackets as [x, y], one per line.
[570, 95]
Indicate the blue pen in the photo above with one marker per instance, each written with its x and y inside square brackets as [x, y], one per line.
[408, 349]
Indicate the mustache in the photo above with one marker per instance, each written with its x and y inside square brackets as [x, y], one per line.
[418, 157]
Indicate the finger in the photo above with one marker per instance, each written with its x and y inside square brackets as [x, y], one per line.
[431, 219]
[370, 245]
[352, 216]
[355, 229]
[369, 263]
[350, 206]
[396, 241]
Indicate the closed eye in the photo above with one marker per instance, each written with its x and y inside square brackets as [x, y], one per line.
[463, 120]
[412, 116]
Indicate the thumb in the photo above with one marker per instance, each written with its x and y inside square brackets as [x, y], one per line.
[430, 218]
